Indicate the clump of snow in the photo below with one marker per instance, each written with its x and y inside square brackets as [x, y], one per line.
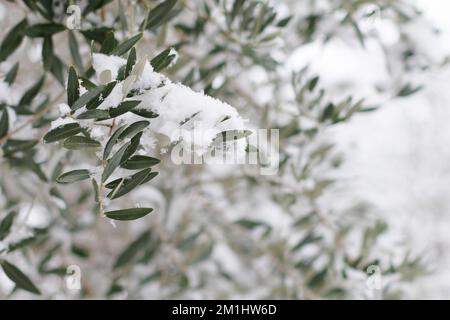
[102, 62]
[63, 109]
[182, 111]
[174, 53]
[113, 99]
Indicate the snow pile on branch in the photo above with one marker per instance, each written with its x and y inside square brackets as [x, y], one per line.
[181, 110]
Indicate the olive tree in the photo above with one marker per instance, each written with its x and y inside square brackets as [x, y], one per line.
[96, 98]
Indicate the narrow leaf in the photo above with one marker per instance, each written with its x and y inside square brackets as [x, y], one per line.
[87, 97]
[31, 93]
[4, 123]
[96, 114]
[140, 162]
[80, 142]
[125, 46]
[19, 278]
[122, 108]
[112, 141]
[109, 44]
[129, 184]
[73, 87]
[73, 176]
[159, 14]
[128, 214]
[12, 40]
[12, 73]
[114, 162]
[62, 132]
[44, 30]
[6, 224]
[74, 51]
[130, 62]
[133, 129]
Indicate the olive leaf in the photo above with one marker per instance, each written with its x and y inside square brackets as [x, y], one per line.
[128, 214]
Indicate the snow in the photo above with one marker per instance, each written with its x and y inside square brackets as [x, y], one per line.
[101, 62]
[174, 102]
[63, 109]
[61, 121]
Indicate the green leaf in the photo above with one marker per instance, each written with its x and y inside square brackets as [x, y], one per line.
[74, 51]
[112, 141]
[125, 46]
[115, 183]
[88, 84]
[12, 40]
[12, 73]
[158, 15]
[132, 148]
[140, 162]
[108, 88]
[96, 114]
[318, 279]
[130, 62]
[128, 214]
[200, 253]
[408, 90]
[109, 44]
[250, 224]
[309, 238]
[44, 30]
[57, 68]
[162, 60]
[129, 184]
[73, 87]
[96, 191]
[313, 83]
[122, 108]
[6, 224]
[80, 142]
[283, 22]
[133, 129]
[114, 162]
[13, 145]
[328, 112]
[94, 5]
[96, 34]
[31, 93]
[47, 53]
[62, 132]
[22, 243]
[73, 176]
[132, 250]
[36, 168]
[19, 278]
[87, 97]
[4, 123]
